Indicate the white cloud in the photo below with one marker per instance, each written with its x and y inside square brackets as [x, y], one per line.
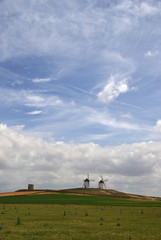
[51, 165]
[63, 29]
[157, 127]
[3, 126]
[33, 100]
[127, 115]
[35, 112]
[17, 127]
[91, 137]
[138, 9]
[113, 89]
[151, 53]
[147, 9]
[104, 118]
[41, 80]
[29, 98]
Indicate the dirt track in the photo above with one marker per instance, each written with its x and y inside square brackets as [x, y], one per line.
[18, 193]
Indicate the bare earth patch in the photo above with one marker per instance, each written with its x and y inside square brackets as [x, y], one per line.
[18, 193]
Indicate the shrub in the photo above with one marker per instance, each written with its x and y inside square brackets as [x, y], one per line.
[18, 221]
[142, 212]
[86, 214]
[65, 213]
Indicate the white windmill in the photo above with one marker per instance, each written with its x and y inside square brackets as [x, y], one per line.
[87, 181]
[101, 183]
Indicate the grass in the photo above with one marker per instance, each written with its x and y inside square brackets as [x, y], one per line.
[61, 198]
[48, 222]
[73, 217]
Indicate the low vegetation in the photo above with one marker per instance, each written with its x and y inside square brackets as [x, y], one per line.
[73, 222]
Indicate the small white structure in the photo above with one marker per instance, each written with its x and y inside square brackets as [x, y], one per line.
[87, 182]
[101, 183]
[30, 187]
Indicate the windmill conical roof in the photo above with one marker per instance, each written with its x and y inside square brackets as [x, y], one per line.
[101, 181]
[86, 180]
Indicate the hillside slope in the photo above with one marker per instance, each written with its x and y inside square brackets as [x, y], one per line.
[83, 191]
[109, 193]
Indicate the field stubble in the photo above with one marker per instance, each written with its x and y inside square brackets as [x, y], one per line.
[73, 222]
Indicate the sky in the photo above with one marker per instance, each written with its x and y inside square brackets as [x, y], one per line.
[80, 92]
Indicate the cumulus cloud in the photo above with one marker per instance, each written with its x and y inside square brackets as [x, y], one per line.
[157, 127]
[29, 158]
[113, 89]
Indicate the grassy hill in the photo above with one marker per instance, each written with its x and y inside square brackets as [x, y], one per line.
[80, 197]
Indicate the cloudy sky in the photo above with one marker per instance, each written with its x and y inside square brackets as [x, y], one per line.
[80, 91]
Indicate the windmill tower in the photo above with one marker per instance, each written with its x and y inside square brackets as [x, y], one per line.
[87, 182]
[101, 183]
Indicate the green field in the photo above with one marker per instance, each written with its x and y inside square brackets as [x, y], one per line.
[74, 217]
[61, 198]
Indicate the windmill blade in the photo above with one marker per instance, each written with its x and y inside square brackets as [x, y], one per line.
[101, 178]
[106, 180]
[92, 180]
[88, 175]
[105, 185]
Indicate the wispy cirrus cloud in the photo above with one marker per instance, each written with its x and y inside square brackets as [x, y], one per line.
[105, 118]
[36, 112]
[41, 80]
[47, 30]
[127, 115]
[150, 53]
[141, 9]
[35, 100]
[29, 98]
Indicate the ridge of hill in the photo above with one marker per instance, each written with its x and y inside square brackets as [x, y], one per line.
[83, 191]
[109, 193]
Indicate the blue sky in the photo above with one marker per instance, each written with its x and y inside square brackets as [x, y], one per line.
[81, 74]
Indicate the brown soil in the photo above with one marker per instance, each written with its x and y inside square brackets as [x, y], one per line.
[18, 193]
